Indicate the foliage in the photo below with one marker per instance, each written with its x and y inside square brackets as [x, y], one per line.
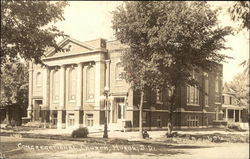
[240, 84]
[239, 11]
[14, 84]
[167, 40]
[25, 30]
[80, 132]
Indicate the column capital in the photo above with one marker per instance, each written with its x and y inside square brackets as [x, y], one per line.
[99, 61]
[79, 63]
[62, 66]
[45, 66]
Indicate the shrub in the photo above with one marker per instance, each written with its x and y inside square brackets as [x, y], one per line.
[80, 133]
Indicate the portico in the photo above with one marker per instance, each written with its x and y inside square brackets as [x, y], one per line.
[71, 85]
[232, 113]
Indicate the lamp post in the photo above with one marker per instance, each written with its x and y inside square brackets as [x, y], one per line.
[106, 98]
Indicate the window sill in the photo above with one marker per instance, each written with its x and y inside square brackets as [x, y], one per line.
[217, 102]
[190, 104]
[55, 102]
[206, 105]
[118, 85]
[117, 79]
[90, 101]
[159, 102]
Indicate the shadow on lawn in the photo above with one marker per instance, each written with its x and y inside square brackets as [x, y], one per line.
[155, 149]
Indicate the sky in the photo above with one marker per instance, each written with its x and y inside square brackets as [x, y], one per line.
[89, 20]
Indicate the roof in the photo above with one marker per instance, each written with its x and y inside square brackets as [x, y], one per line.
[228, 90]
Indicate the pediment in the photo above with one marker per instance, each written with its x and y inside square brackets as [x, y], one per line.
[71, 47]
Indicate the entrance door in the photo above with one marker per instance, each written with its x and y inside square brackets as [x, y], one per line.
[120, 112]
[37, 110]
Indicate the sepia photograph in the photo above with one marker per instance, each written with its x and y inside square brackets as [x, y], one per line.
[124, 79]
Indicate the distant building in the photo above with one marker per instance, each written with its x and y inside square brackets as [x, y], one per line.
[67, 91]
[232, 111]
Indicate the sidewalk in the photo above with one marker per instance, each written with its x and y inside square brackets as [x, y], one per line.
[97, 132]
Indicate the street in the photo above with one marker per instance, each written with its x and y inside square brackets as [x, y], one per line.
[13, 147]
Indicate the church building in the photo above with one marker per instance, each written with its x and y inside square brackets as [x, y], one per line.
[68, 91]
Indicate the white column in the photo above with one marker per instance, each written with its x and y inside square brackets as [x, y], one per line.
[226, 114]
[78, 96]
[29, 110]
[84, 92]
[61, 96]
[79, 86]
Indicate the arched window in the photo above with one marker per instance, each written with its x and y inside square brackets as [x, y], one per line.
[90, 83]
[55, 86]
[38, 79]
[118, 71]
[72, 84]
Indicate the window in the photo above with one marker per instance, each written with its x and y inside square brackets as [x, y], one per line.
[38, 79]
[223, 99]
[206, 89]
[217, 88]
[118, 71]
[71, 120]
[55, 86]
[169, 95]
[90, 84]
[230, 100]
[72, 84]
[193, 121]
[192, 95]
[159, 96]
[89, 119]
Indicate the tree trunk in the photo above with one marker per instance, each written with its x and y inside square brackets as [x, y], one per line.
[140, 116]
[7, 119]
[172, 103]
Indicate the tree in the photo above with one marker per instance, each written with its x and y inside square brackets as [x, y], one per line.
[26, 31]
[14, 87]
[138, 74]
[240, 84]
[167, 41]
[239, 12]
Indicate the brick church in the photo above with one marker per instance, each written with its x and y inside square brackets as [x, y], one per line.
[67, 92]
